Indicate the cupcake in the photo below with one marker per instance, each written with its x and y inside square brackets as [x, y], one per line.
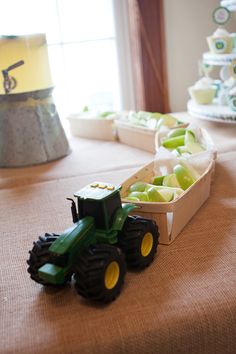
[221, 42]
[232, 98]
[203, 91]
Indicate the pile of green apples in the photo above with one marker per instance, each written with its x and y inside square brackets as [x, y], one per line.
[152, 120]
[163, 188]
[88, 113]
[182, 141]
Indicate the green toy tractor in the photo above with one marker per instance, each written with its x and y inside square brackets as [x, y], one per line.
[96, 249]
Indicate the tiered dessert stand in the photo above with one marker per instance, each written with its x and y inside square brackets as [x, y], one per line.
[215, 111]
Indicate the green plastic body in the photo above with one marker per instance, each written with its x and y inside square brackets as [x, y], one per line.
[74, 240]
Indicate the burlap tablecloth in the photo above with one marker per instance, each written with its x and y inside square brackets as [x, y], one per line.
[185, 302]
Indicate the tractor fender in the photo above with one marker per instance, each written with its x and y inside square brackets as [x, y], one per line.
[71, 242]
[121, 215]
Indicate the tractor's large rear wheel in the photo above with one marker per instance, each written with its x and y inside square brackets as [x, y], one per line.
[100, 272]
[40, 255]
[139, 240]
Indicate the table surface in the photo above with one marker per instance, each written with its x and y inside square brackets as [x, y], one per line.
[184, 302]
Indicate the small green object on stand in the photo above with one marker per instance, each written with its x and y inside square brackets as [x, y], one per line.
[221, 15]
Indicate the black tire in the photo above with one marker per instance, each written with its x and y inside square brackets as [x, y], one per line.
[40, 255]
[91, 273]
[132, 239]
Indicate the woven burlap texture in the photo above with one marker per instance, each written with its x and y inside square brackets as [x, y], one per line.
[185, 302]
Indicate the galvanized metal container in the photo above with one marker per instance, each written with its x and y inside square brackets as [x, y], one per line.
[30, 129]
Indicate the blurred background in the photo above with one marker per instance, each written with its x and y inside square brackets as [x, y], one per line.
[90, 52]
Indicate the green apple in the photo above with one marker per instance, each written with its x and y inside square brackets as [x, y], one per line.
[183, 176]
[134, 199]
[160, 188]
[167, 194]
[171, 181]
[158, 180]
[138, 187]
[106, 114]
[194, 148]
[176, 132]
[143, 114]
[173, 143]
[156, 115]
[182, 150]
[154, 195]
[142, 196]
[163, 195]
[133, 118]
[189, 137]
[178, 192]
[167, 120]
[190, 169]
[176, 152]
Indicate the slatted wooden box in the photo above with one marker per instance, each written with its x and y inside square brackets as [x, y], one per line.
[93, 128]
[170, 217]
[136, 136]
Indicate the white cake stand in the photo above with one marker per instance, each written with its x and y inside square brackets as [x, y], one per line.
[212, 112]
[218, 59]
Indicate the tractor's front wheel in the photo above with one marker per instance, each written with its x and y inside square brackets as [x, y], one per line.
[40, 255]
[139, 240]
[100, 272]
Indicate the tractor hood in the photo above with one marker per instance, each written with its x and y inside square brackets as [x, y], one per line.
[73, 235]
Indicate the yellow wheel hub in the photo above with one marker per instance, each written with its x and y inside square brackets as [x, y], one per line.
[112, 275]
[147, 244]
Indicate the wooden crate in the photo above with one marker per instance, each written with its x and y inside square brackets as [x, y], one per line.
[170, 217]
[93, 128]
[138, 137]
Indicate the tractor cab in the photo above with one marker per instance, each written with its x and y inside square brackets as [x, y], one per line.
[100, 201]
